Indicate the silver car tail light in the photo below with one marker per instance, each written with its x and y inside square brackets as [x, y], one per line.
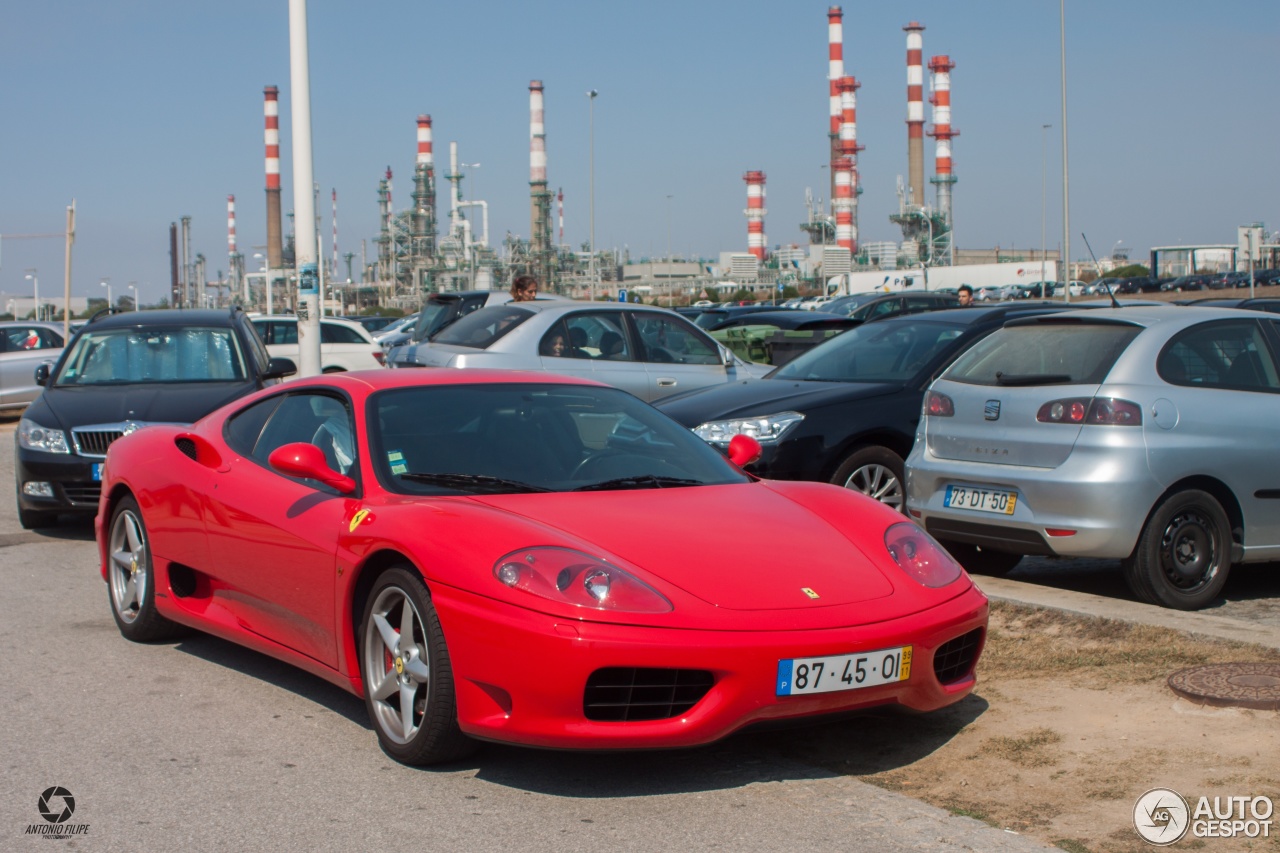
[939, 405]
[1104, 411]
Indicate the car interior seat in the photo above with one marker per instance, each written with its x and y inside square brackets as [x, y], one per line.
[1246, 370]
[333, 436]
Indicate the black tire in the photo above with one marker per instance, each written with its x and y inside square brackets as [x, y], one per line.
[982, 561]
[30, 519]
[1184, 553]
[878, 473]
[417, 673]
[131, 587]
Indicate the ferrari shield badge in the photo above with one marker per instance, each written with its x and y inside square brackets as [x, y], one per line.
[358, 519]
[808, 592]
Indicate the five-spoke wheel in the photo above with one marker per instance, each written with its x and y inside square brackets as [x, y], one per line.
[131, 577]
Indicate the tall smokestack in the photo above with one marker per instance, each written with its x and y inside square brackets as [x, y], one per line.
[424, 193]
[843, 203]
[231, 225]
[755, 213]
[915, 111]
[849, 149]
[275, 239]
[540, 196]
[835, 71]
[333, 264]
[560, 203]
[941, 99]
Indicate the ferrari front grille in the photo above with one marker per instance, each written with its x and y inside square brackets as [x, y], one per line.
[94, 442]
[954, 659]
[629, 694]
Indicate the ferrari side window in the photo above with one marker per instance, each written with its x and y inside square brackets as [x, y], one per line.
[317, 419]
[244, 427]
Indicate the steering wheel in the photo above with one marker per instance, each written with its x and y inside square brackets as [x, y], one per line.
[661, 355]
[587, 467]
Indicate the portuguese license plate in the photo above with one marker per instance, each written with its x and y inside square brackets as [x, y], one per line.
[97, 472]
[843, 672]
[998, 501]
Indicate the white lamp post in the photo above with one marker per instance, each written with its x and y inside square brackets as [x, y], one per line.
[106, 282]
[133, 289]
[34, 278]
[1044, 201]
[591, 138]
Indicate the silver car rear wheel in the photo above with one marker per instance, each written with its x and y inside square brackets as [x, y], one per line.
[1184, 553]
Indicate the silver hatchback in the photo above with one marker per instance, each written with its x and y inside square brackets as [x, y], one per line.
[1144, 434]
[648, 351]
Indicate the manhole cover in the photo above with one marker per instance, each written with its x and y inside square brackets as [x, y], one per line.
[1243, 685]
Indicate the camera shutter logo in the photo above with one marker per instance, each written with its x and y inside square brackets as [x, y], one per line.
[1161, 816]
[57, 810]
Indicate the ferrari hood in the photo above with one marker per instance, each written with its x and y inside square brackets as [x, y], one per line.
[741, 547]
[764, 397]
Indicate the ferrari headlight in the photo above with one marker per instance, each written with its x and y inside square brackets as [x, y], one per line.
[917, 554]
[572, 577]
[766, 429]
[32, 436]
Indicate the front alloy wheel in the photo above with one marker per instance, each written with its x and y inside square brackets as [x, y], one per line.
[877, 472]
[131, 577]
[408, 681]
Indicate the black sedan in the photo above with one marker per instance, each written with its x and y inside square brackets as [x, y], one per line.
[846, 411]
[789, 320]
[1270, 304]
[120, 373]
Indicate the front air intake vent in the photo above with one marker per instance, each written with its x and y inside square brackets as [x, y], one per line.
[954, 659]
[187, 446]
[625, 694]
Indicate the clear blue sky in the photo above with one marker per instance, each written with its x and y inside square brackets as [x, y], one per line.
[145, 111]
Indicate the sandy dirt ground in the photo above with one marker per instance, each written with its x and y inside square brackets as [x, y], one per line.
[1071, 723]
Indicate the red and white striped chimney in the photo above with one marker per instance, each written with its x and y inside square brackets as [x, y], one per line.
[835, 71]
[915, 111]
[275, 237]
[843, 202]
[333, 264]
[755, 213]
[560, 205]
[849, 149]
[231, 225]
[426, 156]
[941, 99]
[537, 135]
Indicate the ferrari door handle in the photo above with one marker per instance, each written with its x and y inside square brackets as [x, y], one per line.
[664, 382]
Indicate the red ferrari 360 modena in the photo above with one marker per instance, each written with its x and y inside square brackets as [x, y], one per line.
[529, 559]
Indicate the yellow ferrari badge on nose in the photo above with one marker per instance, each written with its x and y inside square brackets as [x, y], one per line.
[808, 592]
[357, 519]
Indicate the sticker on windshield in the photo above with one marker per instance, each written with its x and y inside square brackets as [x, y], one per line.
[396, 459]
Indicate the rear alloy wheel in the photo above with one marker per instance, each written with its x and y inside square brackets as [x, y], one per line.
[131, 578]
[875, 471]
[408, 680]
[982, 561]
[1184, 553]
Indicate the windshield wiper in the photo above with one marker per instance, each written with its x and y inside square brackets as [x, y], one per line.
[645, 481]
[472, 482]
[1032, 378]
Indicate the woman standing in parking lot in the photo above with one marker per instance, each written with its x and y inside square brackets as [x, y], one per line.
[524, 289]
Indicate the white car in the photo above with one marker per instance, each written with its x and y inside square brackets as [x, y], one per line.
[344, 344]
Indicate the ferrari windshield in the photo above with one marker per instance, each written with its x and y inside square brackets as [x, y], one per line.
[887, 351]
[489, 439]
[124, 356]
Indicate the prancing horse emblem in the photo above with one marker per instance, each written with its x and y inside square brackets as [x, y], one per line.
[992, 410]
[808, 592]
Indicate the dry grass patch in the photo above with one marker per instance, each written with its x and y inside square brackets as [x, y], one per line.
[1030, 750]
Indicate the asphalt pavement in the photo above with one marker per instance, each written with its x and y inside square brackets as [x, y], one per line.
[202, 745]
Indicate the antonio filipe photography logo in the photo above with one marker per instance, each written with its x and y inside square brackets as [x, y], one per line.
[56, 805]
[1163, 816]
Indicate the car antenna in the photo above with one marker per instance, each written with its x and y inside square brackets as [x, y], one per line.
[1098, 266]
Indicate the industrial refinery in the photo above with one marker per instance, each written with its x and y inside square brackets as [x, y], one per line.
[420, 248]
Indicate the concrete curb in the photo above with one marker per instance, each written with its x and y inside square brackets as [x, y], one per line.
[1202, 623]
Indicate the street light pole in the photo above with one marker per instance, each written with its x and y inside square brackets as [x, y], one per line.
[1044, 206]
[106, 282]
[591, 143]
[134, 290]
[1066, 198]
[669, 197]
[34, 278]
